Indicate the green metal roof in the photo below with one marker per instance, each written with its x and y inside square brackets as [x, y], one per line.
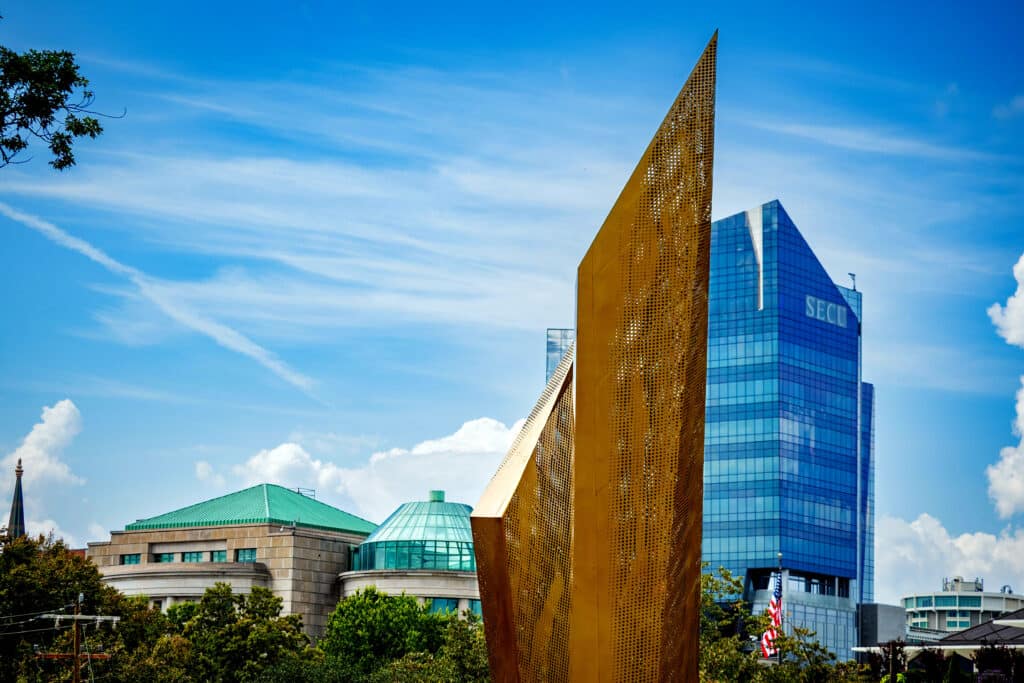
[421, 535]
[260, 504]
[435, 520]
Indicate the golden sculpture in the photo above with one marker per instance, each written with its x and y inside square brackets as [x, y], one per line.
[588, 537]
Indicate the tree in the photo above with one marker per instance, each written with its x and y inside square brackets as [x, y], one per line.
[38, 100]
[929, 665]
[465, 649]
[370, 629]
[236, 637]
[994, 662]
[891, 661]
[37, 576]
[167, 660]
[730, 651]
[415, 667]
[726, 627]
[805, 660]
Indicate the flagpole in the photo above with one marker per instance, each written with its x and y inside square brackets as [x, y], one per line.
[778, 649]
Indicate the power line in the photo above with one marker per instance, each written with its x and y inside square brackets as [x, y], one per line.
[28, 614]
[76, 621]
[34, 630]
[16, 623]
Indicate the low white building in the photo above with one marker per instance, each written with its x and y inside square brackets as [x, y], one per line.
[424, 549]
[960, 605]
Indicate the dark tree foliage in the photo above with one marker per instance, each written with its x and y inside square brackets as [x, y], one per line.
[893, 659]
[958, 670]
[465, 649]
[994, 663]
[235, 637]
[456, 654]
[371, 628]
[43, 95]
[928, 665]
[371, 636]
[730, 648]
[38, 576]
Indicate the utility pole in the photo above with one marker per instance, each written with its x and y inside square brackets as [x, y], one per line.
[76, 656]
[77, 678]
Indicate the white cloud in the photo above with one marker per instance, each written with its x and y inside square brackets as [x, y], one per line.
[461, 464]
[288, 464]
[1006, 477]
[334, 444]
[872, 140]
[206, 473]
[97, 532]
[1015, 107]
[40, 451]
[456, 225]
[947, 368]
[161, 295]
[913, 557]
[48, 526]
[1009, 319]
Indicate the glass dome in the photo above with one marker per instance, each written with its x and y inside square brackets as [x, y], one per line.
[428, 535]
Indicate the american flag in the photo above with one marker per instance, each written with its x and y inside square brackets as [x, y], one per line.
[775, 612]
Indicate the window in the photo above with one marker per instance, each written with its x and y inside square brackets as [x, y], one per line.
[945, 601]
[444, 604]
[133, 558]
[192, 557]
[924, 602]
[163, 557]
[474, 607]
[970, 601]
[245, 555]
[158, 605]
[218, 556]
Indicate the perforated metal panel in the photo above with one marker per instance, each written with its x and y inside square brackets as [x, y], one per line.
[522, 533]
[588, 537]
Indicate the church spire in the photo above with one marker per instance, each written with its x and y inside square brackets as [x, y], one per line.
[16, 525]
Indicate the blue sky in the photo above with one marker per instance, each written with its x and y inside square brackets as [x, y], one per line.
[324, 244]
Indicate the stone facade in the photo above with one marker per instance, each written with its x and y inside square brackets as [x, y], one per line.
[299, 565]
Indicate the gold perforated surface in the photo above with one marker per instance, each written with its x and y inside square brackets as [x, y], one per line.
[588, 537]
[522, 535]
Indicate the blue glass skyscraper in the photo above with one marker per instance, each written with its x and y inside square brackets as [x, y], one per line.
[788, 463]
[559, 341]
[788, 448]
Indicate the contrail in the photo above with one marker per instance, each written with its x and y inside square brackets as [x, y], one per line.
[150, 288]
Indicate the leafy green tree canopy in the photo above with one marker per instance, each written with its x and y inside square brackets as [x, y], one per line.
[235, 637]
[371, 628]
[38, 100]
[37, 576]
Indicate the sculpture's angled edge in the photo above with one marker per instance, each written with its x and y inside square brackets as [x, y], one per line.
[589, 564]
[522, 531]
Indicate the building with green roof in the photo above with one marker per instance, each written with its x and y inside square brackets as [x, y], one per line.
[425, 549]
[265, 535]
[260, 504]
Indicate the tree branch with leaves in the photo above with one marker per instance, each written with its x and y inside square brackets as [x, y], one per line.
[43, 95]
